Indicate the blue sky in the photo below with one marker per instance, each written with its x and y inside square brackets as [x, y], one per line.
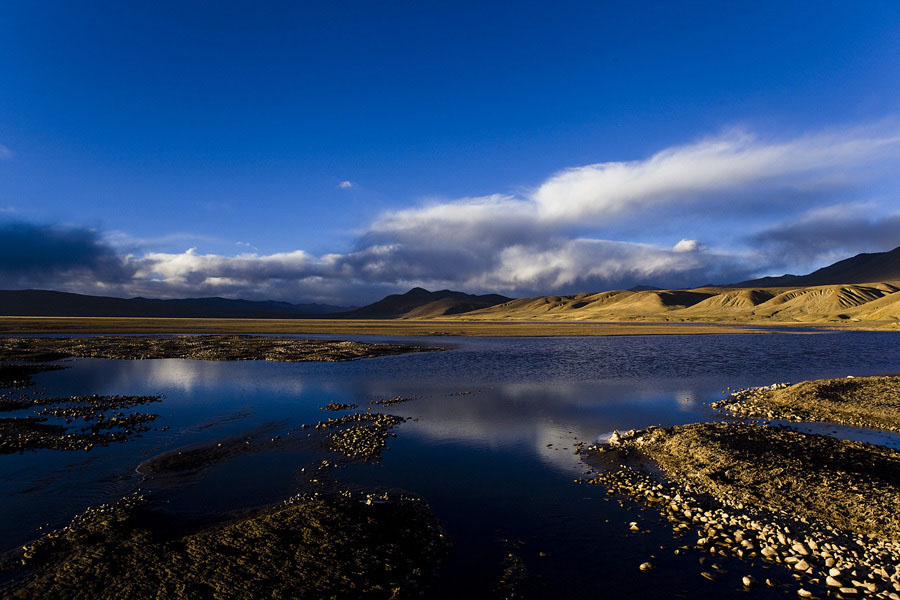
[183, 149]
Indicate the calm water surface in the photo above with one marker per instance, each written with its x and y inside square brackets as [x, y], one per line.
[491, 449]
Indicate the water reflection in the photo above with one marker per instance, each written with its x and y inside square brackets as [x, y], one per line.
[493, 439]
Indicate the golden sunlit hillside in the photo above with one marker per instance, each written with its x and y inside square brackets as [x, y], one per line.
[865, 305]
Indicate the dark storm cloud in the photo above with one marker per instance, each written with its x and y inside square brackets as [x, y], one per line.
[33, 254]
[837, 231]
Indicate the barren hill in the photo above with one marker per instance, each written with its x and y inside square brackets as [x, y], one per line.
[863, 290]
[862, 268]
[874, 304]
[420, 303]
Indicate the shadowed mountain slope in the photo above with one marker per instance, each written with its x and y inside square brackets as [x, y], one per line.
[420, 303]
[862, 268]
[39, 303]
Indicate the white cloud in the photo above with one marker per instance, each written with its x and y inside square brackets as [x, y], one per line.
[690, 176]
[346, 185]
[566, 235]
[686, 245]
[5, 153]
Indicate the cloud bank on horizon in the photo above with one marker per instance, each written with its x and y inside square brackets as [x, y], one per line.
[775, 204]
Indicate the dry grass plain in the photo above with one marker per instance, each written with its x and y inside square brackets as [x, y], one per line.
[400, 328]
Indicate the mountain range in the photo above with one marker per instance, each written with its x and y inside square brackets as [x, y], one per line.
[865, 287]
[862, 268]
[416, 303]
[419, 303]
[45, 303]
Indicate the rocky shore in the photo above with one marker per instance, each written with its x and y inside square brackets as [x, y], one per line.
[342, 545]
[197, 347]
[871, 402]
[824, 509]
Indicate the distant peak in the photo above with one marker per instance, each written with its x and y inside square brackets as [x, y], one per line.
[416, 291]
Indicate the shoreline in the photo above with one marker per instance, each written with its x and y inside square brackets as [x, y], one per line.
[388, 327]
[820, 507]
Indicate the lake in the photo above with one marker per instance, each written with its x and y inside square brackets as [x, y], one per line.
[489, 444]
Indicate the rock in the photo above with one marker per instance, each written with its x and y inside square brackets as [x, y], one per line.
[748, 581]
[800, 549]
[647, 566]
[832, 582]
[803, 593]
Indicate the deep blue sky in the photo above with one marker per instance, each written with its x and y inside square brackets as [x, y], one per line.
[235, 122]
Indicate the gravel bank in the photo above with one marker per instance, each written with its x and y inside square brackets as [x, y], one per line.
[872, 402]
[823, 508]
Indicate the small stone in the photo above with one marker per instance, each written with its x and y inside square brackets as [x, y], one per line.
[647, 566]
[832, 582]
[803, 593]
[748, 581]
